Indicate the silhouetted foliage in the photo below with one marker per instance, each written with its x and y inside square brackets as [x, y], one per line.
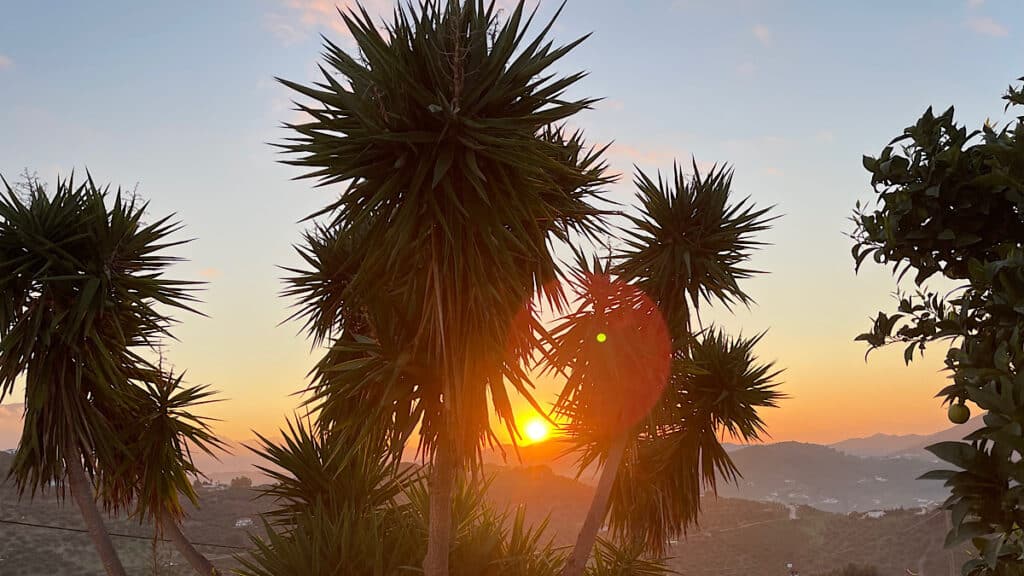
[83, 294]
[444, 130]
[647, 396]
[445, 134]
[80, 285]
[241, 482]
[951, 202]
[377, 523]
[458, 177]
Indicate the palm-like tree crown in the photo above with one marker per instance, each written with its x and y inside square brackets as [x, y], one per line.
[613, 349]
[690, 243]
[161, 430]
[678, 454]
[82, 291]
[444, 132]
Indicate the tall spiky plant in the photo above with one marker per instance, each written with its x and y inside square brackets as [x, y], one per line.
[456, 181]
[677, 454]
[161, 430]
[340, 505]
[82, 293]
[688, 244]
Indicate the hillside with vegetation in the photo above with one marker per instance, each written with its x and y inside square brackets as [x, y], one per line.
[734, 537]
[819, 476]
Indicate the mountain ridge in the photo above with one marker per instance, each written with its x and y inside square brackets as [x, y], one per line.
[883, 445]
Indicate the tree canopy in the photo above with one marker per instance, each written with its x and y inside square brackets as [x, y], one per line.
[950, 202]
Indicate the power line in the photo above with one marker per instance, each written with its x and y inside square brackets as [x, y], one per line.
[118, 535]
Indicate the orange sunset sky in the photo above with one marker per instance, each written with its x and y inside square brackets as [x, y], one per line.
[183, 103]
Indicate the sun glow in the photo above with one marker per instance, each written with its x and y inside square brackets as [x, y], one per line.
[536, 430]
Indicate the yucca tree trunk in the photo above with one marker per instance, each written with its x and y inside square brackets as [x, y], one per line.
[199, 563]
[82, 493]
[440, 485]
[598, 509]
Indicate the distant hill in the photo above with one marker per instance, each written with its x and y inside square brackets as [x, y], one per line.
[819, 476]
[797, 473]
[787, 472]
[551, 454]
[238, 460]
[856, 474]
[738, 537]
[732, 446]
[906, 445]
[949, 434]
[878, 445]
[735, 537]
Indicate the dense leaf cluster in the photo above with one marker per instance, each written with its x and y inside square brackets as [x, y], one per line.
[669, 387]
[445, 132]
[339, 508]
[951, 202]
[83, 296]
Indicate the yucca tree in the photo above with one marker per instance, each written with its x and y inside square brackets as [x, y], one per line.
[82, 294]
[677, 454]
[340, 507]
[333, 469]
[647, 396]
[443, 132]
[626, 559]
[161, 430]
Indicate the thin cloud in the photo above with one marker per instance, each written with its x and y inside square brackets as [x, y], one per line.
[210, 273]
[756, 143]
[746, 69]
[6, 62]
[624, 157]
[301, 18]
[974, 3]
[763, 34]
[773, 171]
[643, 156]
[986, 26]
[284, 30]
[613, 105]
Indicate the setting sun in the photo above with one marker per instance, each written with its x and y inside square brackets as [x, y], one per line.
[536, 430]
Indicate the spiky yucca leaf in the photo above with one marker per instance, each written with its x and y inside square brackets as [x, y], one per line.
[161, 429]
[82, 292]
[628, 559]
[613, 350]
[488, 540]
[690, 243]
[335, 543]
[443, 132]
[340, 508]
[312, 468]
[678, 454]
[332, 255]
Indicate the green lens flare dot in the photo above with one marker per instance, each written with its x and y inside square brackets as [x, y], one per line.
[602, 337]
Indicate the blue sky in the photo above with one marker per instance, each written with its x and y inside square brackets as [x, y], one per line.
[180, 99]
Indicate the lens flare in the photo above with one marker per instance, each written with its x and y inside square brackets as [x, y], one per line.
[602, 337]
